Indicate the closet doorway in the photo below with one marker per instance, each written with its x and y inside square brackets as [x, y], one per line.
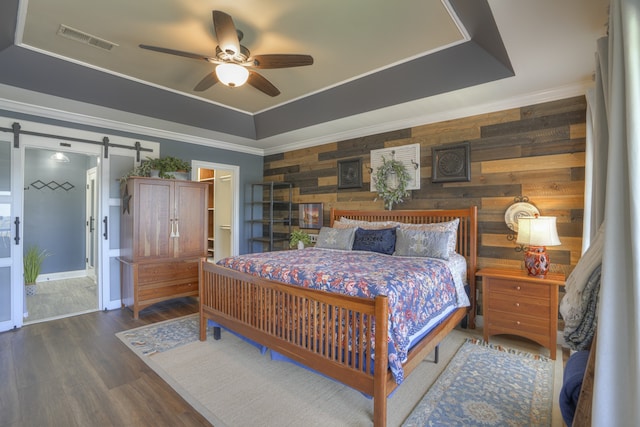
[60, 207]
[222, 228]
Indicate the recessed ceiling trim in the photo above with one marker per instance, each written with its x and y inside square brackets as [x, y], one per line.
[369, 73]
[456, 19]
[98, 121]
[539, 97]
[133, 79]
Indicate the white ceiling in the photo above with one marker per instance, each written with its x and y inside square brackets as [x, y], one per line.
[550, 45]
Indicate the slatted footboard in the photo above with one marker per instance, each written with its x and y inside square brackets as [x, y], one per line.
[327, 332]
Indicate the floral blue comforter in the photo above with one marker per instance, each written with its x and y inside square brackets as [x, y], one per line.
[418, 289]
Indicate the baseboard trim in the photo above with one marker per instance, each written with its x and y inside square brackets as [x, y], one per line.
[61, 275]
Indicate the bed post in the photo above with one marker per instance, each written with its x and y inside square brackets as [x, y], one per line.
[473, 264]
[381, 362]
[202, 296]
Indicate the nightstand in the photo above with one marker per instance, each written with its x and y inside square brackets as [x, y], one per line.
[518, 304]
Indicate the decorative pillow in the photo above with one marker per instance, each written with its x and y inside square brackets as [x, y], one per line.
[366, 225]
[382, 241]
[343, 225]
[419, 243]
[334, 238]
[438, 226]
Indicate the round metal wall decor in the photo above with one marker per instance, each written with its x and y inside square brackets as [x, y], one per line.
[517, 210]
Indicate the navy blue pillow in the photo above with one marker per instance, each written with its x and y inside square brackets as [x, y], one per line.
[382, 241]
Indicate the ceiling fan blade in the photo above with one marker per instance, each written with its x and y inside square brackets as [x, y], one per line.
[226, 33]
[262, 84]
[208, 81]
[281, 61]
[176, 52]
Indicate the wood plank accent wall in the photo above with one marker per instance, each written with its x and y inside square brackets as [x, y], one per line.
[536, 151]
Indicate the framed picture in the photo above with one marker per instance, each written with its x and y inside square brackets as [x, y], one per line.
[310, 215]
[451, 163]
[350, 173]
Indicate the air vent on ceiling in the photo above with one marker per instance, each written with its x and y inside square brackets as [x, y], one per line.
[82, 37]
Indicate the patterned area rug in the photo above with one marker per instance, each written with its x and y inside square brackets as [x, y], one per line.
[233, 384]
[162, 336]
[486, 385]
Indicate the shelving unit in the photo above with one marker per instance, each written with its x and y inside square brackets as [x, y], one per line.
[274, 200]
[208, 176]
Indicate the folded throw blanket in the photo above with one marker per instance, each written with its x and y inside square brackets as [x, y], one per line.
[579, 305]
[580, 323]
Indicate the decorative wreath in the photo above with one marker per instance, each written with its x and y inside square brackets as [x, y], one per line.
[396, 194]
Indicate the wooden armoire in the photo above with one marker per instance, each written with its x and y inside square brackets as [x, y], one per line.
[163, 235]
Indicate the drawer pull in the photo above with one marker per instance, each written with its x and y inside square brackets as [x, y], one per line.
[518, 288]
[517, 304]
[518, 322]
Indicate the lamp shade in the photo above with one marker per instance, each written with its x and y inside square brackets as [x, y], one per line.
[537, 231]
[233, 75]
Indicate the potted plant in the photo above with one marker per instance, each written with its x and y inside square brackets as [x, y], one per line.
[167, 167]
[299, 239]
[33, 259]
[170, 168]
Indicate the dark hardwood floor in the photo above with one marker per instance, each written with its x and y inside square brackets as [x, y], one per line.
[76, 372]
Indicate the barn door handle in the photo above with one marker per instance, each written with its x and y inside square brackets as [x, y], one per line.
[106, 228]
[17, 223]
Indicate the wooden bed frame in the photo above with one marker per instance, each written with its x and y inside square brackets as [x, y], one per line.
[293, 320]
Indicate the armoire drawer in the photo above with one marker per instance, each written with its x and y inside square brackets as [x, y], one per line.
[167, 272]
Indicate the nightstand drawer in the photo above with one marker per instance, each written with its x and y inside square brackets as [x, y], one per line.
[507, 303]
[519, 288]
[519, 324]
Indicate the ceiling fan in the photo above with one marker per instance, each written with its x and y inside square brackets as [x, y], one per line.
[234, 62]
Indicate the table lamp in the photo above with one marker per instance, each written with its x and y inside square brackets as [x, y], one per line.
[535, 233]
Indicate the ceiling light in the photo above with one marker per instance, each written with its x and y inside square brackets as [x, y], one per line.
[60, 157]
[232, 75]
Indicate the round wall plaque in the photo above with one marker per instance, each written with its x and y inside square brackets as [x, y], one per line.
[516, 211]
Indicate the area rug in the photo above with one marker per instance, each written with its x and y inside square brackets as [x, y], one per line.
[232, 384]
[162, 336]
[486, 385]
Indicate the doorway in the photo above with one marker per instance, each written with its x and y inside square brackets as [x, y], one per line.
[60, 206]
[222, 228]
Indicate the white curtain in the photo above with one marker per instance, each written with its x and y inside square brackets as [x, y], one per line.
[596, 148]
[615, 196]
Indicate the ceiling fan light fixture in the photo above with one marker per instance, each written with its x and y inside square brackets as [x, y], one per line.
[232, 75]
